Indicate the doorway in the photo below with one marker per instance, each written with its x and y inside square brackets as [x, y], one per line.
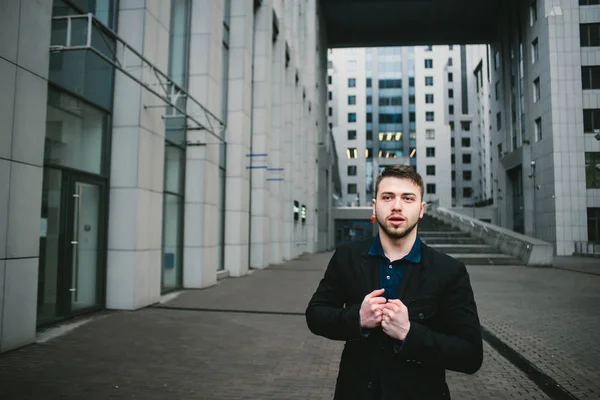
[72, 245]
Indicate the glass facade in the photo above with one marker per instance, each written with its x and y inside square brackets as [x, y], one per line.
[175, 154]
[75, 181]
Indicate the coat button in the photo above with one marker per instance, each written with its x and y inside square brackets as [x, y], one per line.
[370, 385]
[421, 315]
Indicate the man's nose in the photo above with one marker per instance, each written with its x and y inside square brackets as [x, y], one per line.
[397, 204]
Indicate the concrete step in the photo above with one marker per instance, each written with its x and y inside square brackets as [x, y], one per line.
[438, 233]
[466, 248]
[446, 240]
[486, 259]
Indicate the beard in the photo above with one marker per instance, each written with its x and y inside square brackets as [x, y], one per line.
[399, 232]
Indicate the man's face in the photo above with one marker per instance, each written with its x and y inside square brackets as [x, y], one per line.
[398, 207]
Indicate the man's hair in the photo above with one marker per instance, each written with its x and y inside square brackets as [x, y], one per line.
[401, 172]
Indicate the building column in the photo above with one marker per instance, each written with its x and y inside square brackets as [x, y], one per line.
[275, 152]
[237, 210]
[23, 94]
[261, 133]
[137, 165]
[202, 167]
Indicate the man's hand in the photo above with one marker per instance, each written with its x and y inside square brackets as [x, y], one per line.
[371, 309]
[395, 321]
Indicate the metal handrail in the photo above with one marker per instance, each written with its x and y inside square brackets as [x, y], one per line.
[171, 91]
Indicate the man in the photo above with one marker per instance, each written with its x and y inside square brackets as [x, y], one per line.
[406, 311]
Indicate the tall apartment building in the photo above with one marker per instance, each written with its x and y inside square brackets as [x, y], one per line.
[545, 114]
[407, 105]
[147, 146]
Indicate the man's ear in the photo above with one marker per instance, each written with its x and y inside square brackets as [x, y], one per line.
[423, 204]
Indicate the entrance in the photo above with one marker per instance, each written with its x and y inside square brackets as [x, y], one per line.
[72, 251]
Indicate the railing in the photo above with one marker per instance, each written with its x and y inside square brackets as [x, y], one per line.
[530, 250]
[86, 32]
[587, 248]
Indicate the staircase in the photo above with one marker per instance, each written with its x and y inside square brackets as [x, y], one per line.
[463, 247]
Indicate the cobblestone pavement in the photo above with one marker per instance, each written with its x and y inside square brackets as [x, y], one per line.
[550, 316]
[246, 338]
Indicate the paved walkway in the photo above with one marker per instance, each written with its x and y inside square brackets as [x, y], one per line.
[246, 338]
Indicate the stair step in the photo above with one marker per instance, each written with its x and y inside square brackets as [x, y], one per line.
[486, 259]
[465, 248]
[438, 233]
[444, 240]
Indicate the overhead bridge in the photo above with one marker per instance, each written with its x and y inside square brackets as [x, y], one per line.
[375, 23]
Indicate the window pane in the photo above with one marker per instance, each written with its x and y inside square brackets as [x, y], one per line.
[172, 241]
[75, 133]
[174, 168]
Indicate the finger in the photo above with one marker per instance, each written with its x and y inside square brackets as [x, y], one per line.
[375, 293]
[377, 300]
[397, 303]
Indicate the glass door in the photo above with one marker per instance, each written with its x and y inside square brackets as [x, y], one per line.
[85, 246]
[72, 251]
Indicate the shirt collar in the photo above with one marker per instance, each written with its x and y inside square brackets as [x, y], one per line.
[414, 255]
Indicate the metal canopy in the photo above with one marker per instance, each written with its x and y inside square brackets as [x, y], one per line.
[374, 23]
[86, 32]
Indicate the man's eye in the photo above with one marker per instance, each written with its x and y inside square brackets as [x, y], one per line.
[387, 197]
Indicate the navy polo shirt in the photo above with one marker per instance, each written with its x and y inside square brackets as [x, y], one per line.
[392, 272]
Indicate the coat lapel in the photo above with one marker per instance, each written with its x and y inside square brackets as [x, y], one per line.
[414, 276]
[369, 273]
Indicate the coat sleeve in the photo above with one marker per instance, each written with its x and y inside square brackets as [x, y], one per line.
[327, 314]
[460, 347]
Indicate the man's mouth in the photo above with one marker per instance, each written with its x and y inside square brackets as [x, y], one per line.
[396, 219]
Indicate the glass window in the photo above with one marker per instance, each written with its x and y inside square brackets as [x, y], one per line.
[466, 142]
[430, 152]
[352, 188]
[430, 170]
[592, 170]
[174, 169]
[498, 121]
[589, 35]
[351, 82]
[351, 135]
[75, 133]
[450, 77]
[467, 191]
[428, 63]
[496, 60]
[429, 81]
[351, 117]
[352, 169]
[430, 188]
[451, 109]
[533, 12]
[589, 2]
[497, 90]
[534, 51]
[429, 98]
[465, 125]
[591, 120]
[590, 77]
[351, 100]
[467, 175]
[429, 116]
[593, 220]
[352, 152]
[536, 90]
[538, 129]
[466, 159]
[430, 134]
[172, 241]
[450, 93]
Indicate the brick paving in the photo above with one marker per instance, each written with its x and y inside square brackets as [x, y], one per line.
[219, 345]
[550, 316]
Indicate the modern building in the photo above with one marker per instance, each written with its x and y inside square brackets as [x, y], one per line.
[147, 146]
[409, 105]
[545, 113]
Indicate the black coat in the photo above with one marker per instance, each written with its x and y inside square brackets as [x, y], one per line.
[445, 332]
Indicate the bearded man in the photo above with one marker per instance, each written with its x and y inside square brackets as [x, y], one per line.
[406, 311]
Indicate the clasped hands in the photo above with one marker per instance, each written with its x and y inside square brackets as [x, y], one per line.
[391, 315]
